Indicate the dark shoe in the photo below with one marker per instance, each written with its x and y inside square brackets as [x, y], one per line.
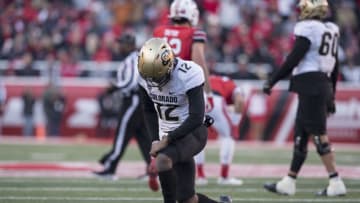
[271, 187]
[103, 159]
[225, 199]
[286, 186]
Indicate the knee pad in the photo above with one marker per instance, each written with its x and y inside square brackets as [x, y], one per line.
[163, 162]
[322, 148]
[300, 144]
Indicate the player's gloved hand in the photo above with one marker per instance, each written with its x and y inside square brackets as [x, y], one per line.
[208, 121]
[267, 87]
[209, 102]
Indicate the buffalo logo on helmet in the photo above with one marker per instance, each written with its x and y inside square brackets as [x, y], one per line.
[165, 57]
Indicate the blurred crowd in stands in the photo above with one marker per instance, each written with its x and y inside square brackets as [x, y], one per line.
[246, 39]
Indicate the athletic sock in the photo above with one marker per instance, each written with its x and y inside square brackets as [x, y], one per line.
[204, 199]
[168, 185]
[200, 171]
[333, 175]
[292, 176]
[224, 170]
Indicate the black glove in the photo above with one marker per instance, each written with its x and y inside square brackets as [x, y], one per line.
[267, 88]
[208, 121]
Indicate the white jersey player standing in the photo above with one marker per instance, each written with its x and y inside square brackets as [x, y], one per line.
[313, 62]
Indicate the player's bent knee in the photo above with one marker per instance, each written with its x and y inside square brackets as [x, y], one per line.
[163, 162]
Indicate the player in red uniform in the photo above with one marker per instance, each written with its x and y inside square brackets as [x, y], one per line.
[187, 41]
[225, 93]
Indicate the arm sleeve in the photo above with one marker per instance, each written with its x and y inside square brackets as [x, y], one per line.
[196, 114]
[150, 115]
[301, 46]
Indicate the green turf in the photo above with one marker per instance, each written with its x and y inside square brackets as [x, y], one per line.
[76, 190]
[53, 190]
[90, 153]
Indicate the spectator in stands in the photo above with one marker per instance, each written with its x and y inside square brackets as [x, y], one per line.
[28, 111]
[243, 71]
[48, 26]
[26, 67]
[68, 66]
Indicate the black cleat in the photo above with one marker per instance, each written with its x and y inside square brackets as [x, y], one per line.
[225, 199]
[103, 159]
[321, 193]
[271, 187]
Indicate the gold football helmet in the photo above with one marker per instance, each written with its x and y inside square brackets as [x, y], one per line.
[156, 61]
[313, 9]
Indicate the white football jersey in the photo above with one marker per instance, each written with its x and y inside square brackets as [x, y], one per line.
[171, 101]
[324, 37]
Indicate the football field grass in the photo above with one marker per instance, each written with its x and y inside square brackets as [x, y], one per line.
[76, 190]
[38, 186]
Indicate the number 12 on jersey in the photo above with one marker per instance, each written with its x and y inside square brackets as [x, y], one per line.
[164, 111]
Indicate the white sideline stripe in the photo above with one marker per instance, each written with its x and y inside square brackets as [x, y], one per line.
[146, 189]
[159, 199]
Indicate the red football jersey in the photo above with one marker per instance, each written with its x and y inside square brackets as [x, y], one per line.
[223, 86]
[180, 38]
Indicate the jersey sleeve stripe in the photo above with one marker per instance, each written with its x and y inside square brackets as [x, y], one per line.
[199, 36]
